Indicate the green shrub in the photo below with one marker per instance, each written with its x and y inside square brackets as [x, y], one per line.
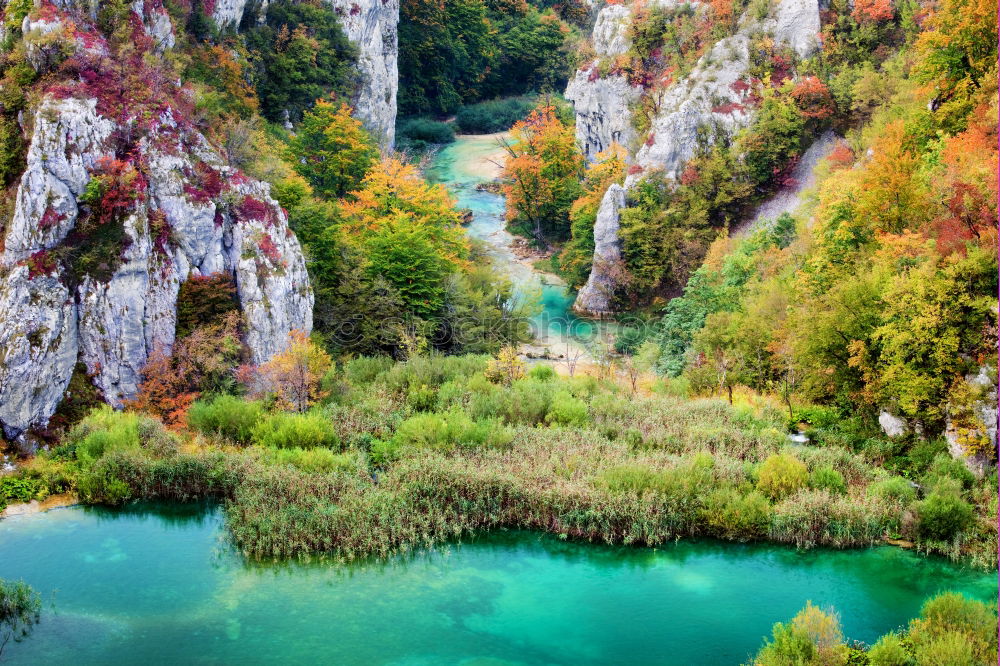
[816, 416]
[781, 475]
[426, 130]
[941, 516]
[17, 489]
[526, 401]
[494, 116]
[733, 515]
[105, 430]
[951, 648]
[228, 416]
[384, 451]
[630, 479]
[449, 431]
[314, 460]
[945, 467]
[827, 478]
[421, 398]
[564, 409]
[894, 489]
[286, 430]
[889, 651]
[542, 372]
[952, 629]
[365, 369]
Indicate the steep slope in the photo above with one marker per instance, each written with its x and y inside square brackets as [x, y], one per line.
[713, 100]
[372, 26]
[122, 200]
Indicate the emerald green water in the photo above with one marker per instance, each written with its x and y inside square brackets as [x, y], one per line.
[459, 166]
[157, 584]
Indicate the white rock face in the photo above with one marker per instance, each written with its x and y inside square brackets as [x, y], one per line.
[603, 114]
[788, 199]
[709, 102]
[602, 104]
[595, 296]
[371, 25]
[610, 35]
[798, 25]
[112, 326]
[892, 426]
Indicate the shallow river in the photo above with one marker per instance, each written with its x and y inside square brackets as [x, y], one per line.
[461, 166]
[158, 584]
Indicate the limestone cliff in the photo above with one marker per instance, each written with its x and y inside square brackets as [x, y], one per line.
[709, 102]
[112, 213]
[602, 103]
[371, 25]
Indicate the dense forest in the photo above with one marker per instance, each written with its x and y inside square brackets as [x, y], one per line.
[406, 412]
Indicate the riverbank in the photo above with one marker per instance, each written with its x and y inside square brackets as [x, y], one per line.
[35, 506]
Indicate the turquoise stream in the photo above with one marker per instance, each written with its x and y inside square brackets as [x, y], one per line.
[158, 584]
[460, 166]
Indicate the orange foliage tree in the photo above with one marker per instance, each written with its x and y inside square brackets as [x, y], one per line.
[542, 176]
[203, 361]
[291, 377]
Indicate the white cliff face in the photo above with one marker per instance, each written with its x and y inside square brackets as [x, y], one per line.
[112, 325]
[707, 98]
[602, 104]
[595, 296]
[603, 111]
[371, 25]
[710, 102]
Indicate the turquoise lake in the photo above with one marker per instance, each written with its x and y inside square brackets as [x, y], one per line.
[158, 584]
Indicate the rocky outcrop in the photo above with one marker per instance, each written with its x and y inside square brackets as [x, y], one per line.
[710, 103]
[49, 319]
[595, 296]
[971, 428]
[603, 110]
[371, 25]
[602, 103]
[802, 177]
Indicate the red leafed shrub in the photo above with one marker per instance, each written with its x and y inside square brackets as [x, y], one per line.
[39, 264]
[781, 69]
[635, 169]
[813, 98]
[355, 9]
[50, 219]
[841, 156]
[595, 73]
[872, 11]
[690, 175]
[651, 139]
[255, 209]
[783, 176]
[270, 250]
[739, 86]
[729, 107]
[115, 188]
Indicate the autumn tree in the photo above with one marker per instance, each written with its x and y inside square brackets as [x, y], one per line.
[542, 176]
[332, 150]
[292, 377]
[202, 362]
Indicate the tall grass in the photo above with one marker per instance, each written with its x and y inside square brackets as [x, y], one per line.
[377, 471]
